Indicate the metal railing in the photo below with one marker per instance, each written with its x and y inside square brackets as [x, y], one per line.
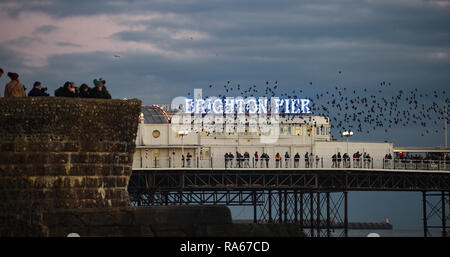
[302, 163]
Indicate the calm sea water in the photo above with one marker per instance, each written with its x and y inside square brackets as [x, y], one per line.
[391, 233]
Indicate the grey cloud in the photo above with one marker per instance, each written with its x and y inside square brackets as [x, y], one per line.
[68, 44]
[45, 29]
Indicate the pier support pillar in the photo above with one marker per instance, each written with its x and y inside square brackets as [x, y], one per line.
[436, 209]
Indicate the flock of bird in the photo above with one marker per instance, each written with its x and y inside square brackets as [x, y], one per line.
[362, 110]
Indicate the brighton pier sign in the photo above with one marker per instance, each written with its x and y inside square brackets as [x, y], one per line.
[235, 114]
[250, 105]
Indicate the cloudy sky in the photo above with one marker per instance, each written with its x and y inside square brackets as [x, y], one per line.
[157, 50]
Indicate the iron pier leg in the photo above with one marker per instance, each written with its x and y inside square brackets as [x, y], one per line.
[444, 218]
[318, 220]
[181, 197]
[328, 215]
[346, 214]
[311, 210]
[270, 206]
[255, 218]
[424, 209]
[285, 207]
[166, 197]
[295, 207]
[280, 207]
[301, 211]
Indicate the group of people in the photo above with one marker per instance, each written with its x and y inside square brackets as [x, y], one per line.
[243, 160]
[359, 160]
[15, 89]
[188, 160]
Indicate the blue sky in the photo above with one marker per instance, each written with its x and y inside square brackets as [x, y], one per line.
[167, 48]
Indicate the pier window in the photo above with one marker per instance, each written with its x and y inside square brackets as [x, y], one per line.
[285, 130]
[298, 130]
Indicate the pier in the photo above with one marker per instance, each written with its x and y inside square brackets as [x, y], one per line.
[295, 196]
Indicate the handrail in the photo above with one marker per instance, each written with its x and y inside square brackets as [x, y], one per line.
[282, 163]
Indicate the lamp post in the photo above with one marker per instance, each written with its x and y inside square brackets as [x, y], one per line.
[347, 134]
[310, 130]
[445, 124]
[182, 133]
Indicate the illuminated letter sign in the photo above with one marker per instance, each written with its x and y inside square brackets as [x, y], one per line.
[251, 105]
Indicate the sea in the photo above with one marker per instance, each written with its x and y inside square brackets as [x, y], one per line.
[390, 232]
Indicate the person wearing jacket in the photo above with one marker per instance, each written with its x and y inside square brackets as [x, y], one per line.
[99, 91]
[84, 91]
[14, 88]
[277, 160]
[37, 90]
[296, 160]
[68, 90]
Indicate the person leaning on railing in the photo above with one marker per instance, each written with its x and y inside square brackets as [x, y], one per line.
[306, 160]
[226, 160]
[188, 159]
[266, 158]
[296, 160]
[287, 158]
[277, 160]
[346, 160]
[369, 161]
[334, 161]
[247, 160]
[339, 159]
[230, 159]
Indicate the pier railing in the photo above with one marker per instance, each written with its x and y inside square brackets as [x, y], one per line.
[293, 163]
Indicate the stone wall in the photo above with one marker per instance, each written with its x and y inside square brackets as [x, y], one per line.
[63, 153]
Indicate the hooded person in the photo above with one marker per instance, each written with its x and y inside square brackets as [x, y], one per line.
[14, 88]
[68, 90]
[99, 91]
[84, 90]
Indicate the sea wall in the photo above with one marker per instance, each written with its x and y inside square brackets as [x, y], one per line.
[63, 153]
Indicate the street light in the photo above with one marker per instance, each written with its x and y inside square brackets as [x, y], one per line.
[310, 131]
[347, 134]
[182, 133]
